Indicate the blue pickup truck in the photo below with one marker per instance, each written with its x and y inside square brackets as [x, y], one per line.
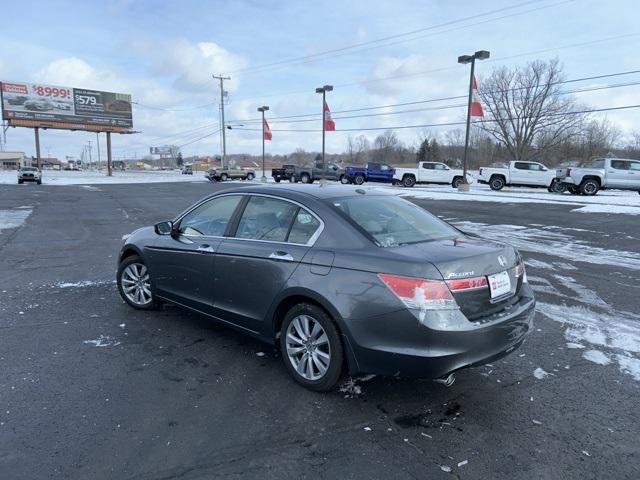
[373, 172]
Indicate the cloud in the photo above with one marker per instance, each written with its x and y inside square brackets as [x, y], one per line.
[192, 64]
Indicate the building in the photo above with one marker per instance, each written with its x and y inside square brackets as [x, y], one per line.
[48, 163]
[12, 160]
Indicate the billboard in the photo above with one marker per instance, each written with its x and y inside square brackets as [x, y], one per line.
[164, 151]
[76, 106]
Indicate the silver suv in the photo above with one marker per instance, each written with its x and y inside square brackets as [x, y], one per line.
[29, 174]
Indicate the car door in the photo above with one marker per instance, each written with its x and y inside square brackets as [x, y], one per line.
[539, 175]
[441, 173]
[634, 176]
[617, 174]
[520, 174]
[182, 265]
[425, 172]
[253, 265]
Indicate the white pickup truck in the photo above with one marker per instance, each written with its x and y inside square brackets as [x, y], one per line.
[428, 172]
[520, 174]
[604, 173]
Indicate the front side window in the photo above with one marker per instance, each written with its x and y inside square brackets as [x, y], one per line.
[384, 167]
[620, 164]
[440, 166]
[391, 221]
[635, 166]
[211, 218]
[536, 167]
[266, 218]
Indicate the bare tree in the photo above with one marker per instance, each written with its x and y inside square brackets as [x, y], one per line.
[385, 145]
[525, 109]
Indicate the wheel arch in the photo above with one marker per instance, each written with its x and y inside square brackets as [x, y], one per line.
[295, 296]
[128, 251]
[592, 177]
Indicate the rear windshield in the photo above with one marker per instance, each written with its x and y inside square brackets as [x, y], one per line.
[392, 221]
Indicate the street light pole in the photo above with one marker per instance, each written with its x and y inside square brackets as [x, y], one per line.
[323, 90]
[464, 59]
[263, 109]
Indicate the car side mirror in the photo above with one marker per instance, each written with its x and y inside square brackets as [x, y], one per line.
[164, 228]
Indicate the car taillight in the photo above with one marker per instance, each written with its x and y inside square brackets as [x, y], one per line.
[521, 272]
[420, 294]
[480, 172]
[461, 284]
[568, 172]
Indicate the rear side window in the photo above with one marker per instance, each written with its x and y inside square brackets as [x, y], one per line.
[598, 164]
[521, 166]
[304, 226]
[427, 166]
[266, 218]
[390, 221]
[211, 218]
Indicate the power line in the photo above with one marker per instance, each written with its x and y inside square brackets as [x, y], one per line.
[382, 39]
[448, 124]
[455, 97]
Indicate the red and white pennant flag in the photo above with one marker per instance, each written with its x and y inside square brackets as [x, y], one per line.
[476, 106]
[329, 124]
[267, 131]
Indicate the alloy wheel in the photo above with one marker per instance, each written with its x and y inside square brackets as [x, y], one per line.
[136, 285]
[308, 347]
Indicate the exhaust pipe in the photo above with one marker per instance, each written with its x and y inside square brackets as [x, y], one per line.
[447, 380]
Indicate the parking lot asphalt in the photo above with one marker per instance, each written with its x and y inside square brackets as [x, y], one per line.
[90, 388]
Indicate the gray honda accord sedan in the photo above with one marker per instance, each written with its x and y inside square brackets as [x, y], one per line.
[340, 279]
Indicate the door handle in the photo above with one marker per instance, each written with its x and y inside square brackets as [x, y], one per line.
[205, 249]
[280, 255]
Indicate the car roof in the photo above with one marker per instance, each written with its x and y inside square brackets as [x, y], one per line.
[296, 190]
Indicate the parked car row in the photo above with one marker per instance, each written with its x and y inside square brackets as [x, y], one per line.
[308, 174]
[520, 174]
[604, 173]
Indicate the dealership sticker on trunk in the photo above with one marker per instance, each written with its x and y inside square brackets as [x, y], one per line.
[500, 284]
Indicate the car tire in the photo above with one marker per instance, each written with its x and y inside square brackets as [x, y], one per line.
[250, 176]
[277, 179]
[589, 187]
[557, 187]
[408, 181]
[456, 182]
[297, 341]
[293, 179]
[39, 182]
[20, 182]
[305, 178]
[344, 180]
[224, 177]
[573, 190]
[496, 183]
[133, 269]
[359, 179]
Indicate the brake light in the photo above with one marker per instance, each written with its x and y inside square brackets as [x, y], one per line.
[521, 272]
[420, 294]
[481, 172]
[568, 172]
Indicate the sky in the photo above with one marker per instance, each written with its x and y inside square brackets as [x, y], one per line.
[165, 53]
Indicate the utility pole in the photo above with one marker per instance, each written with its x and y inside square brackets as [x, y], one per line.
[37, 135]
[98, 146]
[224, 142]
[90, 156]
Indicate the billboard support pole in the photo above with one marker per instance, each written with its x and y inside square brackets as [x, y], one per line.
[37, 135]
[98, 147]
[109, 167]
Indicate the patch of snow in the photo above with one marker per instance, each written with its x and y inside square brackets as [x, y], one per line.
[585, 295]
[463, 463]
[537, 422]
[445, 468]
[629, 365]
[350, 388]
[574, 345]
[596, 356]
[86, 178]
[259, 354]
[13, 218]
[626, 209]
[553, 243]
[565, 266]
[367, 429]
[540, 374]
[83, 283]
[532, 262]
[102, 341]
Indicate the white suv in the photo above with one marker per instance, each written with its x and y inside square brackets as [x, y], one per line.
[29, 174]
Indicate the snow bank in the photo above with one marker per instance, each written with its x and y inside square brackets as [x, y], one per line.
[13, 218]
[64, 177]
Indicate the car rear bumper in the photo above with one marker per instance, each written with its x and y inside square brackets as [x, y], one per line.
[398, 344]
[566, 180]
